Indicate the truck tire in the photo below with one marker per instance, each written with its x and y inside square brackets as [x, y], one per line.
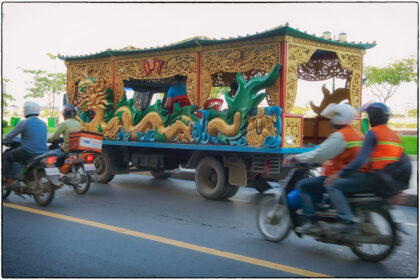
[210, 179]
[160, 174]
[103, 168]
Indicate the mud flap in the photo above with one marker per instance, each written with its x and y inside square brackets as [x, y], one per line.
[237, 171]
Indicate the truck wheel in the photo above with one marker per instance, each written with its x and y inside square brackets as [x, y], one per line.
[210, 179]
[160, 174]
[231, 190]
[103, 168]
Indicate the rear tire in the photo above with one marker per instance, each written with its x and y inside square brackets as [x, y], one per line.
[383, 225]
[5, 192]
[210, 179]
[102, 164]
[81, 188]
[230, 191]
[47, 188]
[273, 226]
[160, 174]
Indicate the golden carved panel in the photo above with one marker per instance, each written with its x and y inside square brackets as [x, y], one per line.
[296, 55]
[243, 59]
[354, 64]
[356, 124]
[293, 131]
[101, 72]
[182, 64]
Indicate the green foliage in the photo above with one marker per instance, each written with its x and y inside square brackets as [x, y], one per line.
[217, 92]
[5, 98]
[412, 113]
[4, 123]
[48, 86]
[384, 81]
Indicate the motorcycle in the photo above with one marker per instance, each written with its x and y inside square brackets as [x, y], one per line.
[38, 177]
[378, 233]
[75, 168]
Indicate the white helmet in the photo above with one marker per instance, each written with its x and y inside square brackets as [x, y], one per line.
[339, 114]
[31, 108]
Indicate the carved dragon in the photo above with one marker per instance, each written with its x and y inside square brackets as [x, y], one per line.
[247, 97]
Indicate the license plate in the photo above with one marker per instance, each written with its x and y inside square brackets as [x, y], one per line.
[51, 171]
[89, 167]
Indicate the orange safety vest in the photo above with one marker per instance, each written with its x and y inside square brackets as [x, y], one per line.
[388, 147]
[354, 142]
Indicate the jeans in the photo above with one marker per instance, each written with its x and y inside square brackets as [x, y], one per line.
[10, 169]
[59, 153]
[311, 190]
[336, 193]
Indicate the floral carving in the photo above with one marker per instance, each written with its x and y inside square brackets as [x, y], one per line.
[293, 130]
[354, 64]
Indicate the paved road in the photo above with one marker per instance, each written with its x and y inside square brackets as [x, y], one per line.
[137, 226]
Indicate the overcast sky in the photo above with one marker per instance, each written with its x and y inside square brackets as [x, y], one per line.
[31, 30]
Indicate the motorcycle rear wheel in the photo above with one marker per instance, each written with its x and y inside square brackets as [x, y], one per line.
[382, 222]
[47, 188]
[273, 226]
[4, 192]
[81, 188]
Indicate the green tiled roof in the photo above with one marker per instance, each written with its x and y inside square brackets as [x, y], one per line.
[204, 41]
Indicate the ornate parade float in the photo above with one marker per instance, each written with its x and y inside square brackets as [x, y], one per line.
[266, 67]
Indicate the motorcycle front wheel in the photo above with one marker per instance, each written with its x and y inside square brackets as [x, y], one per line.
[81, 188]
[376, 223]
[273, 219]
[47, 188]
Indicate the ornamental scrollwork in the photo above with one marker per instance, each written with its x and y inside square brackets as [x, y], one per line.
[293, 132]
[251, 61]
[296, 55]
[185, 65]
[354, 64]
[101, 72]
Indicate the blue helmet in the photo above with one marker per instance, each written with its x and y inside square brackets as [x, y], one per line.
[293, 199]
[378, 113]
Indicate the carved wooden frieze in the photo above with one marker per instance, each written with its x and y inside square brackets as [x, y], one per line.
[101, 72]
[353, 62]
[262, 58]
[292, 131]
[171, 65]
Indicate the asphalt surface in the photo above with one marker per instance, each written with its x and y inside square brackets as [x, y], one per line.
[137, 226]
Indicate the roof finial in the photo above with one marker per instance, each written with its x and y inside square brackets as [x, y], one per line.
[287, 23]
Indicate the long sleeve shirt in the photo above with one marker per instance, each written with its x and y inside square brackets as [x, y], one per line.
[334, 145]
[33, 133]
[69, 125]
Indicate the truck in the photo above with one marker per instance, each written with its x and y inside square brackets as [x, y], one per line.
[239, 140]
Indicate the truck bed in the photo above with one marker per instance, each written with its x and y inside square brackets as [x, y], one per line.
[208, 147]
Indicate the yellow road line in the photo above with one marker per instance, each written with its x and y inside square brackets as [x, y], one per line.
[172, 242]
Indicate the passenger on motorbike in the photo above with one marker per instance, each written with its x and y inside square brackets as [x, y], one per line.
[381, 147]
[340, 148]
[69, 125]
[34, 140]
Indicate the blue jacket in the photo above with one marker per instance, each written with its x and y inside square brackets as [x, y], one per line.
[34, 135]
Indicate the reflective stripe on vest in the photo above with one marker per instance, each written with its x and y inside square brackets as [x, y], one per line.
[388, 147]
[354, 142]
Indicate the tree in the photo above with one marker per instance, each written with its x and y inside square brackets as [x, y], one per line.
[47, 85]
[385, 81]
[412, 113]
[5, 97]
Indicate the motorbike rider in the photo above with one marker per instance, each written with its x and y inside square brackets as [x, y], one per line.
[340, 148]
[381, 147]
[69, 125]
[34, 140]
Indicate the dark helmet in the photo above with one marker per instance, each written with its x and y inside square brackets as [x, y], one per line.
[378, 113]
[69, 111]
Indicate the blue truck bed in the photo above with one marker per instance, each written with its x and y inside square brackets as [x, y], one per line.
[208, 147]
